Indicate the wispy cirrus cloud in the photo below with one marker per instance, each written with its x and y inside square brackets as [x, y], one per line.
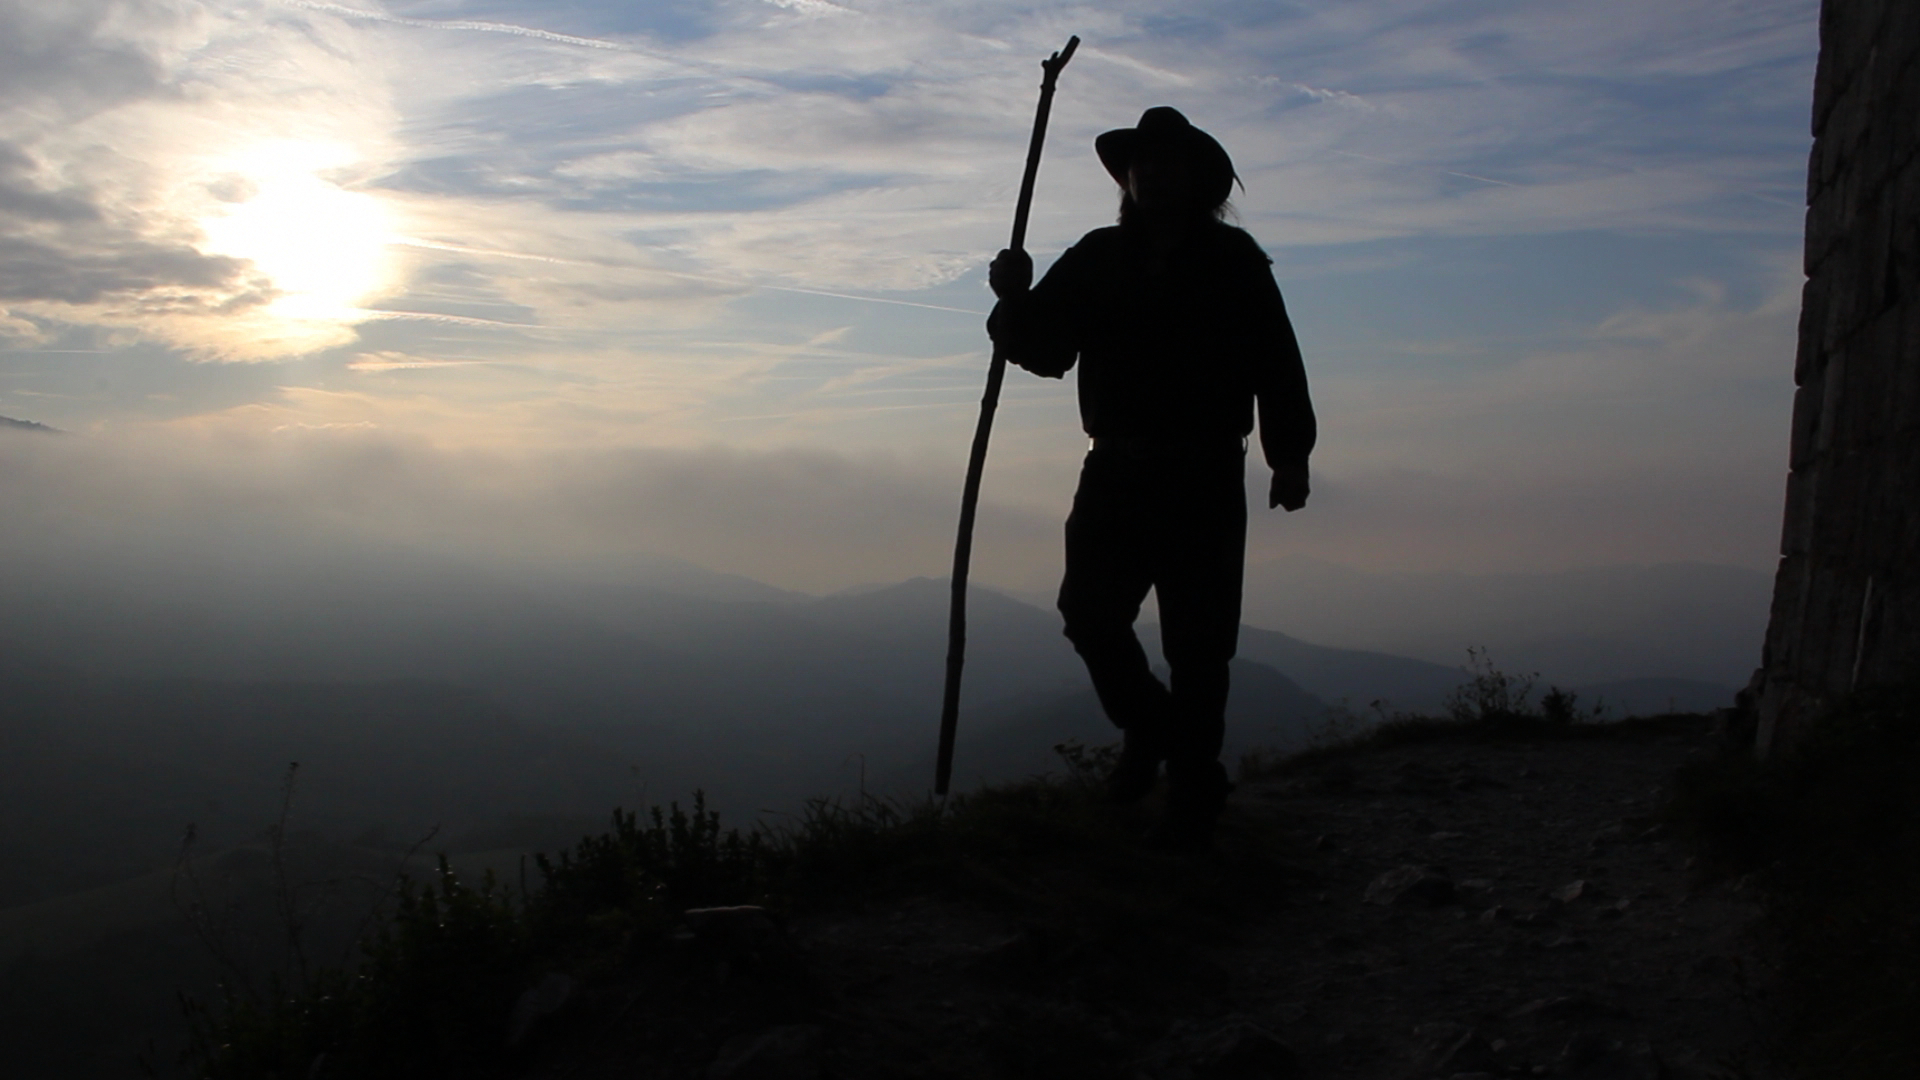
[490, 222]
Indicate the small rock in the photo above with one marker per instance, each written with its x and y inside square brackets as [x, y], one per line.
[1569, 1007]
[1495, 914]
[1716, 966]
[788, 1052]
[536, 1002]
[741, 936]
[1568, 942]
[1571, 891]
[1444, 835]
[1241, 1050]
[1642, 1063]
[1411, 886]
[1586, 1048]
[747, 923]
[1432, 1041]
[1468, 1052]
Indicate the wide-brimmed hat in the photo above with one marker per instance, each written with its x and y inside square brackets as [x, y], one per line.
[1164, 128]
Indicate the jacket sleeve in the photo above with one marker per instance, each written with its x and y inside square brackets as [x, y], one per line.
[1040, 330]
[1288, 429]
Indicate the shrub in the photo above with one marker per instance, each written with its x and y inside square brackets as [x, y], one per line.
[435, 983]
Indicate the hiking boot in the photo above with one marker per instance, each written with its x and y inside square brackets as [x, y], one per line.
[1136, 772]
[1196, 797]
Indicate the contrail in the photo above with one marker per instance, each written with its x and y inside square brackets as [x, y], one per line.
[707, 68]
[1404, 165]
[837, 295]
[812, 7]
[732, 283]
[369, 314]
[459, 24]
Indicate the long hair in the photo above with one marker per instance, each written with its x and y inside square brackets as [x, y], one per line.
[1130, 211]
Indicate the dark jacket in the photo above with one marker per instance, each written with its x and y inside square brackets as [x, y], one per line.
[1171, 349]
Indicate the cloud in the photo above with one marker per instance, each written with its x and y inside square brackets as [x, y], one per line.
[824, 154]
[812, 7]
[737, 224]
[59, 243]
[118, 126]
[802, 518]
[468, 25]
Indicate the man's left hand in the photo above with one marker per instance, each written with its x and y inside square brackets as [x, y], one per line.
[1289, 488]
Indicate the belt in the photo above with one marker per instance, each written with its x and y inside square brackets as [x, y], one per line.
[1169, 446]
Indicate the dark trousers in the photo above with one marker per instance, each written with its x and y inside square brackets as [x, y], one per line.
[1175, 523]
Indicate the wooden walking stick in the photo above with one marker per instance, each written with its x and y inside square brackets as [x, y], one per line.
[977, 460]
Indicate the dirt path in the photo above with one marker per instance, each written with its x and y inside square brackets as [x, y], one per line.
[1550, 929]
[1442, 909]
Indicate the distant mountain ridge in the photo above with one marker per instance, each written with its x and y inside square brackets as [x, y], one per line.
[8, 423]
[1691, 621]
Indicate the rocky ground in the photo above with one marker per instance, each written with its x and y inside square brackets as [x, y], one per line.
[1441, 909]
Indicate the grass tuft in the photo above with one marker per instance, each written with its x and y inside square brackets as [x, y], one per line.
[1491, 706]
[433, 989]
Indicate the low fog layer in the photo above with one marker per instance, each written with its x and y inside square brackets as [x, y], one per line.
[462, 638]
[493, 651]
[283, 533]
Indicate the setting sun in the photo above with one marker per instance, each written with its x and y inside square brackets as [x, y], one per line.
[322, 246]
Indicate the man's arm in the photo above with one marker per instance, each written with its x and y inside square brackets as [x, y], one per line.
[1288, 428]
[1033, 326]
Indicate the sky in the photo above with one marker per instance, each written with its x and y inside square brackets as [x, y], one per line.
[576, 280]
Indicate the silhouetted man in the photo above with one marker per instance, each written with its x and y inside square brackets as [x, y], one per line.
[1179, 329]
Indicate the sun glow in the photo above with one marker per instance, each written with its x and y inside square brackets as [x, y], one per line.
[322, 247]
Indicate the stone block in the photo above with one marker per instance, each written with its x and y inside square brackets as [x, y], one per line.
[1903, 196]
[1871, 172]
[1876, 410]
[1813, 310]
[1827, 436]
[1837, 63]
[1892, 641]
[1828, 619]
[1823, 230]
[1845, 128]
[1839, 309]
[1789, 587]
[1823, 162]
[1828, 651]
[1871, 239]
[1796, 534]
[1806, 420]
[1887, 58]
[1905, 363]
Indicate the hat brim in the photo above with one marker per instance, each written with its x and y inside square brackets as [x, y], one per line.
[1213, 169]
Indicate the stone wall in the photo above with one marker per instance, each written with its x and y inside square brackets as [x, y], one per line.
[1846, 602]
